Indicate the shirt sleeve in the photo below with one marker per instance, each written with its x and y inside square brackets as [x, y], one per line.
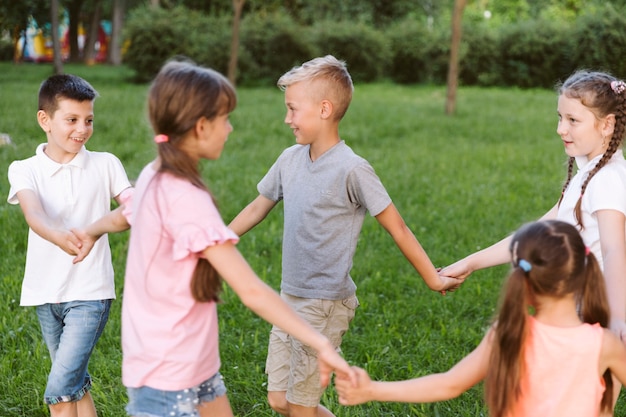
[270, 185]
[19, 179]
[611, 195]
[366, 189]
[195, 224]
[119, 179]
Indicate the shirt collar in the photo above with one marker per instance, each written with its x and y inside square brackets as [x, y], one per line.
[51, 167]
[585, 164]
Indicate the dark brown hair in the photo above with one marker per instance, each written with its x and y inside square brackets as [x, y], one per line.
[64, 86]
[594, 91]
[179, 96]
[549, 258]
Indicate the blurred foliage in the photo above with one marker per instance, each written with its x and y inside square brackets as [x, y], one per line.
[526, 43]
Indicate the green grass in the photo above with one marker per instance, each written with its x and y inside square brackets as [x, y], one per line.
[460, 183]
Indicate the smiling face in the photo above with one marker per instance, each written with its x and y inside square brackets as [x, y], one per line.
[303, 112]
[67, 129]
[583, 134]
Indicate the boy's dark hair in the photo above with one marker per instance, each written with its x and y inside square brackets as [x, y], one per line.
[64, 86]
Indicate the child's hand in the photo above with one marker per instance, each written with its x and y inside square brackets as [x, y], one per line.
[449, 284]
[328, 361]
[68, 242]
[86, 244]
[459, 270]
[351, 394]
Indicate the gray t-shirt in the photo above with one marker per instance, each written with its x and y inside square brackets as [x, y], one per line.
[324, 207]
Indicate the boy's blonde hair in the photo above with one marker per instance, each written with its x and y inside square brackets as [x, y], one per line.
[335, 83]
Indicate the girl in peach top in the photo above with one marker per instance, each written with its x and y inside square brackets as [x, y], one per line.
[554, 359]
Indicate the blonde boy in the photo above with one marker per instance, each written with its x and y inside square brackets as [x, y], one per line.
[327, 190]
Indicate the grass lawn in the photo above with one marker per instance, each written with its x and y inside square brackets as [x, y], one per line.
[460, 182]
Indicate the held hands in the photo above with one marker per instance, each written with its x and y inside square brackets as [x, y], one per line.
[328, 361]
[68, 242]
[459, 270]
[76, 243]
[448, 284]
[353, 394]
[86, 244]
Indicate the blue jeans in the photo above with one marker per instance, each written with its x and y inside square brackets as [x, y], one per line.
[150, 402]
[71, 331]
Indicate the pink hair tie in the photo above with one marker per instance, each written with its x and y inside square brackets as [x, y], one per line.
[161, 138]
[587, 250]
[618, 87]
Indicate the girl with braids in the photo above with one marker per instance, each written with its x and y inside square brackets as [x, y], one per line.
[592, 125]
[179, 248]
[550, 360]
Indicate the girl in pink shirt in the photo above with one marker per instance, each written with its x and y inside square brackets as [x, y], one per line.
[179, 250]
[548, 354]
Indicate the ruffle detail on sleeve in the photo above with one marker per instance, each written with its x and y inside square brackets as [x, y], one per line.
[126, 197]
[192, 239]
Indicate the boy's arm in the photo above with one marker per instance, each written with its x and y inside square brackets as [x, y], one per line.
[115, 221]
[39, 221]
[391, 220]
[251, 215]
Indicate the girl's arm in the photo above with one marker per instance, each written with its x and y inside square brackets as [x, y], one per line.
[265, 302]
[611, 226]
[410, 247]
[251, 215]
[39, 221]
[613, 356]
[496, 254]
[112, 222]
[431, 388]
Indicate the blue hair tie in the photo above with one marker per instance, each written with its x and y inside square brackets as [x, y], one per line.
[525, 265]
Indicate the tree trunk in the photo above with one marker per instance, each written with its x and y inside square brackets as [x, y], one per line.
[117, 23]
[56, 41]
[74, 8]
[234, 44]
[453, 67]
[92, 37]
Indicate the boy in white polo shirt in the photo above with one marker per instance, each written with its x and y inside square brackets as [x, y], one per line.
[63, 187]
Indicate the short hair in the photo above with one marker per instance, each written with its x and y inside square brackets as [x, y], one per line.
[330, 71]
[64, 86]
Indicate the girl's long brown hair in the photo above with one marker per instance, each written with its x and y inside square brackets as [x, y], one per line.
[179, 96]
[560, 265]
[594, 91]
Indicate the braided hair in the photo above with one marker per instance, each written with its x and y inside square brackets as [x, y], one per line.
[602, 94]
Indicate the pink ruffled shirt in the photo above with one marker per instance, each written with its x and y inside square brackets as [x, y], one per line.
[169, 340]
[562, 372]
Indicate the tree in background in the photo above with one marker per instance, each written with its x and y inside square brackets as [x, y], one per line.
[234, 45]
[453, 66]
[117, 26]
[56, 42]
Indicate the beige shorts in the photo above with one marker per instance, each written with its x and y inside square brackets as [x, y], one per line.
[292, 366]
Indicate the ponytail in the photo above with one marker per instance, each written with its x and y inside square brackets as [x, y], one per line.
[504, 375]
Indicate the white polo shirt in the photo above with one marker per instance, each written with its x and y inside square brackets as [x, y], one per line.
[73, 195]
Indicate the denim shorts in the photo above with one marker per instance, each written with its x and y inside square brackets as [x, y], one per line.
[150, 402]
[71, 331]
